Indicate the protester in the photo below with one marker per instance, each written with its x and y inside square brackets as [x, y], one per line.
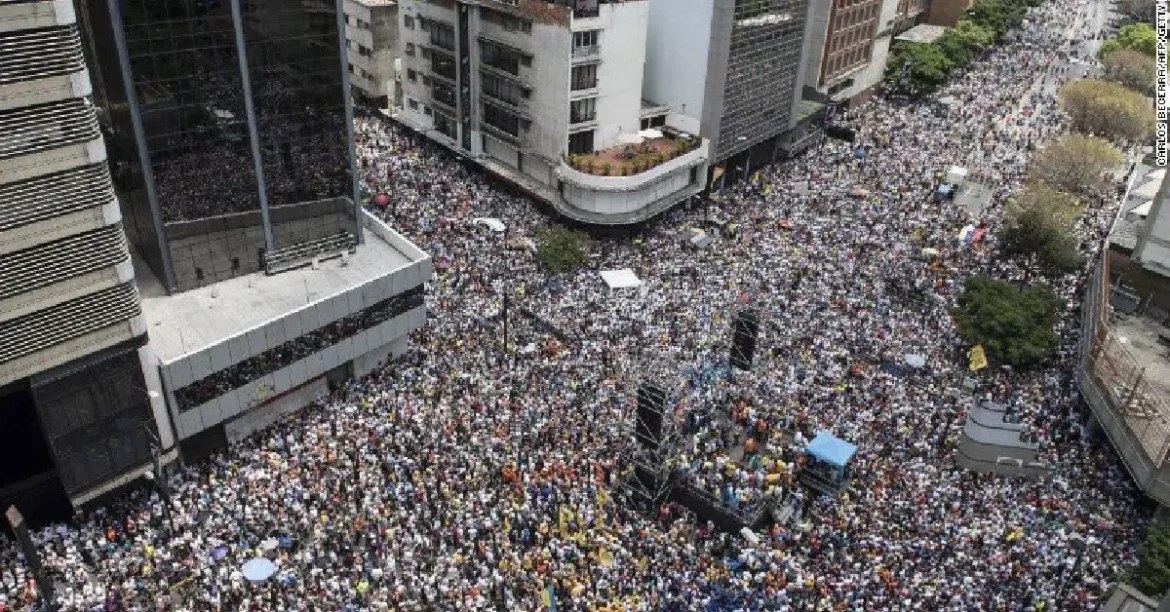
[467, 477]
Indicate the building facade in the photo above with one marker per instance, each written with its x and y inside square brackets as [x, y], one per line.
[541, 93]
[263, 282]
[848, 48]
[736, 66]
[74, 409]
[371, 32]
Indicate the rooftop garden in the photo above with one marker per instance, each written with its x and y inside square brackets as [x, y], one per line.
[631, 159]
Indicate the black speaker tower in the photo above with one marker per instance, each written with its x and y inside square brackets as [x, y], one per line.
[743, 346]
[648, 424]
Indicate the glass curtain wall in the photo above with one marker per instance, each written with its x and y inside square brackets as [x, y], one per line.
[294, 61]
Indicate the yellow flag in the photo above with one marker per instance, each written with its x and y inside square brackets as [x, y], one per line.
[601, 497]
[978, 358]
[605, 557]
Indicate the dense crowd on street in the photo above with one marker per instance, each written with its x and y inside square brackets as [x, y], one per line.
[479, 474]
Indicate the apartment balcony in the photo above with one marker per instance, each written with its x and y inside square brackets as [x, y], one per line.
[30, 15]
[627, 181]
[1129, 403]
[583, 89]
[587, 52]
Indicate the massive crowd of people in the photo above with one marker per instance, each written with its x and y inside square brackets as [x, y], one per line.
[469, 477]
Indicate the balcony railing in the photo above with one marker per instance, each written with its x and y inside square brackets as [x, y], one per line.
[584, 84]
[575, 118]
[586, 52]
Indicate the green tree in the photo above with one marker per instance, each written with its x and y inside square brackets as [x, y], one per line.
[918, 69]
[1107, 109]
[1076, 165]
[1152, 574]
[998, 16]
[1042, 242]
[562, 250]
[1013, 323]
[964, 42]
[1064, 208]
[1139, 37]
[1130, 69]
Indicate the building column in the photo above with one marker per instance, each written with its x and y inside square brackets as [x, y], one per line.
[253, 132]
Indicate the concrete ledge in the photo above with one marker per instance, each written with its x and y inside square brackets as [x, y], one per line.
[1004, 466]
[122, 480]
[43, 91]
[28, 15]
[54, 160]
[62, 226]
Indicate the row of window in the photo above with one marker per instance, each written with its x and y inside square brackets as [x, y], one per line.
[847, 60]
[272, 360]
[849, 18]
[505, 21]
[362, 72]
[358, 23]
[849, 39]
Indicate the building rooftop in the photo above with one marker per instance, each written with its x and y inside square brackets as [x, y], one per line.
[922, 33]
[1129, 223]
[193, 320]
[377, 2]
[639, 155]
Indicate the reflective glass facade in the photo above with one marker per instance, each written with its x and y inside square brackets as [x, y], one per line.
[762, 68]
[98, 421]
[298, 89]
[237, 114]
[187, 81]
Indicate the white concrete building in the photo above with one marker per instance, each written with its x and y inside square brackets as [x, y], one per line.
[549, 95]
[371, 33]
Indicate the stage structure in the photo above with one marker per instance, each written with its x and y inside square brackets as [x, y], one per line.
[746, 330]
[827, 470]
[653, 446]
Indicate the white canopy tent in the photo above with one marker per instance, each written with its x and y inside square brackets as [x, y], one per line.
[491, 223]
[621, 279]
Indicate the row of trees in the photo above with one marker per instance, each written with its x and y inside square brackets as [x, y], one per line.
[918, 69]
[1014, 321]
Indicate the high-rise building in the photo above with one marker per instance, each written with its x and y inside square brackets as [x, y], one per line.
[229, 126]
[849, 44]
[75, 413]
[548, 94]
[736, 65]
[371, 31]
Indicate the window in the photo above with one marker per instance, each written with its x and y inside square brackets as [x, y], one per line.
[424, 24]
[351, 68]
[587, 38]
[235, 263]
[410, 49]
[500, 89]
[584, 110]
[581, 143]
[426, 53]
[443, 94]
[411, 75]
[584, 77]
[408, 22]
[363, 25]
[427, 110]
[501, 119]
[443, 66]
[412, 103]
[500, 58]
[443, 36]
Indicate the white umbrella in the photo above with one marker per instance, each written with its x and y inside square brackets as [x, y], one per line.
[631, 139]
[650, 134]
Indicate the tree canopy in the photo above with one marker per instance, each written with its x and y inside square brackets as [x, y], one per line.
[1076, 164]
[918, 69]
[1042, 243]
[1152, 574]
[1107, 109]
[964, 42]
[1013, 323]
[561, 249]
[1131, 69]
[1139, 37]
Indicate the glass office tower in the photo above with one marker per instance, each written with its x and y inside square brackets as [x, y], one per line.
[229, 128]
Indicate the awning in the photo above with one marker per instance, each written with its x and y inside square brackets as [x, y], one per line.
[1147, 191]
[492, 223]
[1144, 209]
[831, 449]
[620, 279]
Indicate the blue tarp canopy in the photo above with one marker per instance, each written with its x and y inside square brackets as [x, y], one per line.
[831, 449]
